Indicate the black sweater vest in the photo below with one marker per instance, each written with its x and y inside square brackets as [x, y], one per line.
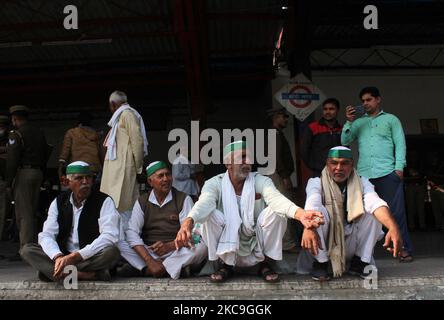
[88, 228]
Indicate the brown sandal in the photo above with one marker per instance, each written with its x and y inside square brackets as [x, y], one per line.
[224, 272]
[265, 271]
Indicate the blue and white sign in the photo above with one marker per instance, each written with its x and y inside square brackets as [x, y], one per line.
[300, 96]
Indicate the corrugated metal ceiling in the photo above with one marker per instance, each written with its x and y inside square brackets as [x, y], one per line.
[27, 26]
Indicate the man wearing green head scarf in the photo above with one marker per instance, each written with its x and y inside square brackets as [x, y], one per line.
[149, 240]
[244, 217]
[81, 230]
[353, 214]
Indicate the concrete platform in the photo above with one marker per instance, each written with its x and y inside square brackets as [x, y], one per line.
[421, 279]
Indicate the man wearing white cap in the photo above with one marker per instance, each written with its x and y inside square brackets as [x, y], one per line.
[149, 246]
[82, 229]
[353, 214]
[244, 217]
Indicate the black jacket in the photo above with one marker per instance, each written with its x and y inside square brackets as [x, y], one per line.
[317, 141]
[26, 147]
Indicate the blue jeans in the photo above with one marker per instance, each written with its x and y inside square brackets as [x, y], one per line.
[391, 189]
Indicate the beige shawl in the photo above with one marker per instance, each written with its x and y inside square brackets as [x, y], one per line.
[332, 199]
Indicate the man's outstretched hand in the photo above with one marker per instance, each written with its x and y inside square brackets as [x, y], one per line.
[310, 219]
[183, 236]
[311, 242]
[393, 236]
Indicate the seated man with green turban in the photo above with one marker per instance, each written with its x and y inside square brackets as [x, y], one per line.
[82, 230]
[156, 218]
[243, 217]
[353, 214]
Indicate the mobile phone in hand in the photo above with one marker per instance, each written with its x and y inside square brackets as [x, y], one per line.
[359, 111]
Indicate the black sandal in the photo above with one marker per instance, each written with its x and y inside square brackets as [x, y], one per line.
[265, 271]
[405, 257]
[224, 272]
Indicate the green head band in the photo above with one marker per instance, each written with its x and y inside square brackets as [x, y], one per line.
[234, 146]
[340, 153]
[154, 166]
[78, 169]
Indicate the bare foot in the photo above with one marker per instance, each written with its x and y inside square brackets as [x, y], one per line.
[86, 276]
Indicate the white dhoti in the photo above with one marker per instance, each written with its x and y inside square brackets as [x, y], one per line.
[269, 229]
[360, 240]
[173, 261]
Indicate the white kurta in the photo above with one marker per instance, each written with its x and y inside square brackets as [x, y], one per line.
[119, 175]
[108, 226]
[271, 210]
[360, 236]
[173, 261]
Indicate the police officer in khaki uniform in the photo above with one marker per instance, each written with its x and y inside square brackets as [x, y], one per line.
[4, 124]
[26, 160]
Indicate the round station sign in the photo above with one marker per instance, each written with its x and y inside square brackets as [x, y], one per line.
[299, 96]
[302, 96]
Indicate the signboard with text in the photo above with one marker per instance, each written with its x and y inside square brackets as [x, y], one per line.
[300, 97]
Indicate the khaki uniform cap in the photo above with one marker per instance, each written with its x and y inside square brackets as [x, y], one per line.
[277, 110]
[18, 108]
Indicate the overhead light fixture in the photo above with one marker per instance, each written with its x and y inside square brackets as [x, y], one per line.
[284, 8]
[76, 42]
[15, 44]
[409, 46]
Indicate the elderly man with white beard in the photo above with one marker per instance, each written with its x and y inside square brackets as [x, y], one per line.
[243, 217]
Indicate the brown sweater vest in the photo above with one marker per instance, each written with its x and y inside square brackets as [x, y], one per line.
[161, 224]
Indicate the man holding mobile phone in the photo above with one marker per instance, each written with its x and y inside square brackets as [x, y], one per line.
[382, 155]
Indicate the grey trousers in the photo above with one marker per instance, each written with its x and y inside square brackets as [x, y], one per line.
[26, 197]
[104, 260]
